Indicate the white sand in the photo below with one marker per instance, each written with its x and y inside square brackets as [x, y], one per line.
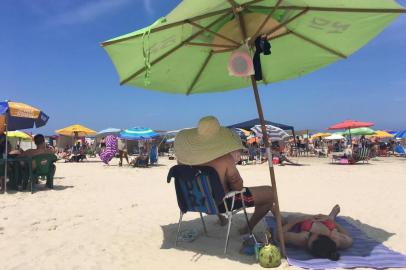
[101, 217]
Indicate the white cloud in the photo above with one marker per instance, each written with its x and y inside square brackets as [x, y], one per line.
[87, 12]
[148, 7]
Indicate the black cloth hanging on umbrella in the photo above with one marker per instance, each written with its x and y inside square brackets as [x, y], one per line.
[262, 45]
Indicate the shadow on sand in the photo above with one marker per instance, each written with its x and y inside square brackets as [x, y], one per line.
[213, 243]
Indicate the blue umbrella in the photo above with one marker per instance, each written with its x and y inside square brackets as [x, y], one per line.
[138, 133]
[401, 135]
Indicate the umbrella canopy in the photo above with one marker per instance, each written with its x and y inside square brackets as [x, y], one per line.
[241, 132]
[19, 135]
[274, 133]
[382, 134]
[320, 134]
[20, 116]
[401, 134]
[76, 131]
[108, 131]
[138, 133]
[350, 124]
[188, 50]
[334, 137]
[359, 131]
[250, 123]
[305, 36]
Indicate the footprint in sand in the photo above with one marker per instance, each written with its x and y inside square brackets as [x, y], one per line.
[5, 218]
[51, 219]
[35, 223]
[134, 205]
[53, 228]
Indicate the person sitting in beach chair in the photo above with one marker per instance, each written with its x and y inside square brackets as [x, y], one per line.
[218, 147]
[319, 234]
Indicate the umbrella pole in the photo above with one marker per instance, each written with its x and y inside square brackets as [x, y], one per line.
[271, 168]
[6, 156]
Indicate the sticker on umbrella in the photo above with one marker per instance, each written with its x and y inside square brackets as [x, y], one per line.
[240, 63]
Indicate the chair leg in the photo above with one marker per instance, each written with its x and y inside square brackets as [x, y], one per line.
[229, 217]
[204, 224]
[180, 222]
[246, 219]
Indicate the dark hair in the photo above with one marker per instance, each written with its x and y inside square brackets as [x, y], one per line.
[39, 139]
[324, 247]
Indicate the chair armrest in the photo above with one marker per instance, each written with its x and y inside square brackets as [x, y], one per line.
[233, 193]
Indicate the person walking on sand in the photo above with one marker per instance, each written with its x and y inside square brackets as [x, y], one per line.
[122, 151]
[212, 145]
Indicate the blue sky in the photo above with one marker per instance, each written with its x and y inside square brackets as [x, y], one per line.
[51, 58]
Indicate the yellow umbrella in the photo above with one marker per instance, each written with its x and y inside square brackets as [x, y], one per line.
[19, 135]
[320, 134]
[76, 131]
[382, 134]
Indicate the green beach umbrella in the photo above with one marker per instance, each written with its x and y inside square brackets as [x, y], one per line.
[358, 131]
[187, 51]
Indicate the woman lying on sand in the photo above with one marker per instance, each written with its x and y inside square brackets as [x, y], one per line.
[320, 234]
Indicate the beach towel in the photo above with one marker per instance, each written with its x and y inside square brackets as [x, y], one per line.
[365, 252]
[110, 151]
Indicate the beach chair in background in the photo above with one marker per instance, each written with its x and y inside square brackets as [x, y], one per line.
[198, 189]
[362, 155]
[399, 151]
[45, 168]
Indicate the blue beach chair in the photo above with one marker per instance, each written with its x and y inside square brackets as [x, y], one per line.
[198, 189]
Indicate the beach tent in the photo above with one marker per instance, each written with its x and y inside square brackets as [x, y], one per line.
[189, 50]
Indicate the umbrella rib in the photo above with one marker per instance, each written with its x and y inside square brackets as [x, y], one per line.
[318, 44]
[279, 36]
[224, 51]
[171, 25]
[135, 74]
[338, 9]
[211, 45]
[267, 18]
[214, 33]
[199, 73]
[279, 26]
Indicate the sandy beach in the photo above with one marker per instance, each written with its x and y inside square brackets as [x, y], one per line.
[107, 217]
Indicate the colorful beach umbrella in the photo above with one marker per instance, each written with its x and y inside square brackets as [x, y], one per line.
[358, 131]
[382, 134]
[334, 136]
[138, 133]
[401, 135]
[350, 124]
[320, 134]
[76, 131]
[20, 116]
[19, 135]
[187, 51]
[241, 132]
[274, 133]
[108, 131]
[16, 115]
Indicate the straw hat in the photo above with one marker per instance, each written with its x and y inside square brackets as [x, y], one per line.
[205, 143]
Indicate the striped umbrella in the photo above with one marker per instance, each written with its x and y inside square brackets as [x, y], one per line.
[274, 133]
[138, 133]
